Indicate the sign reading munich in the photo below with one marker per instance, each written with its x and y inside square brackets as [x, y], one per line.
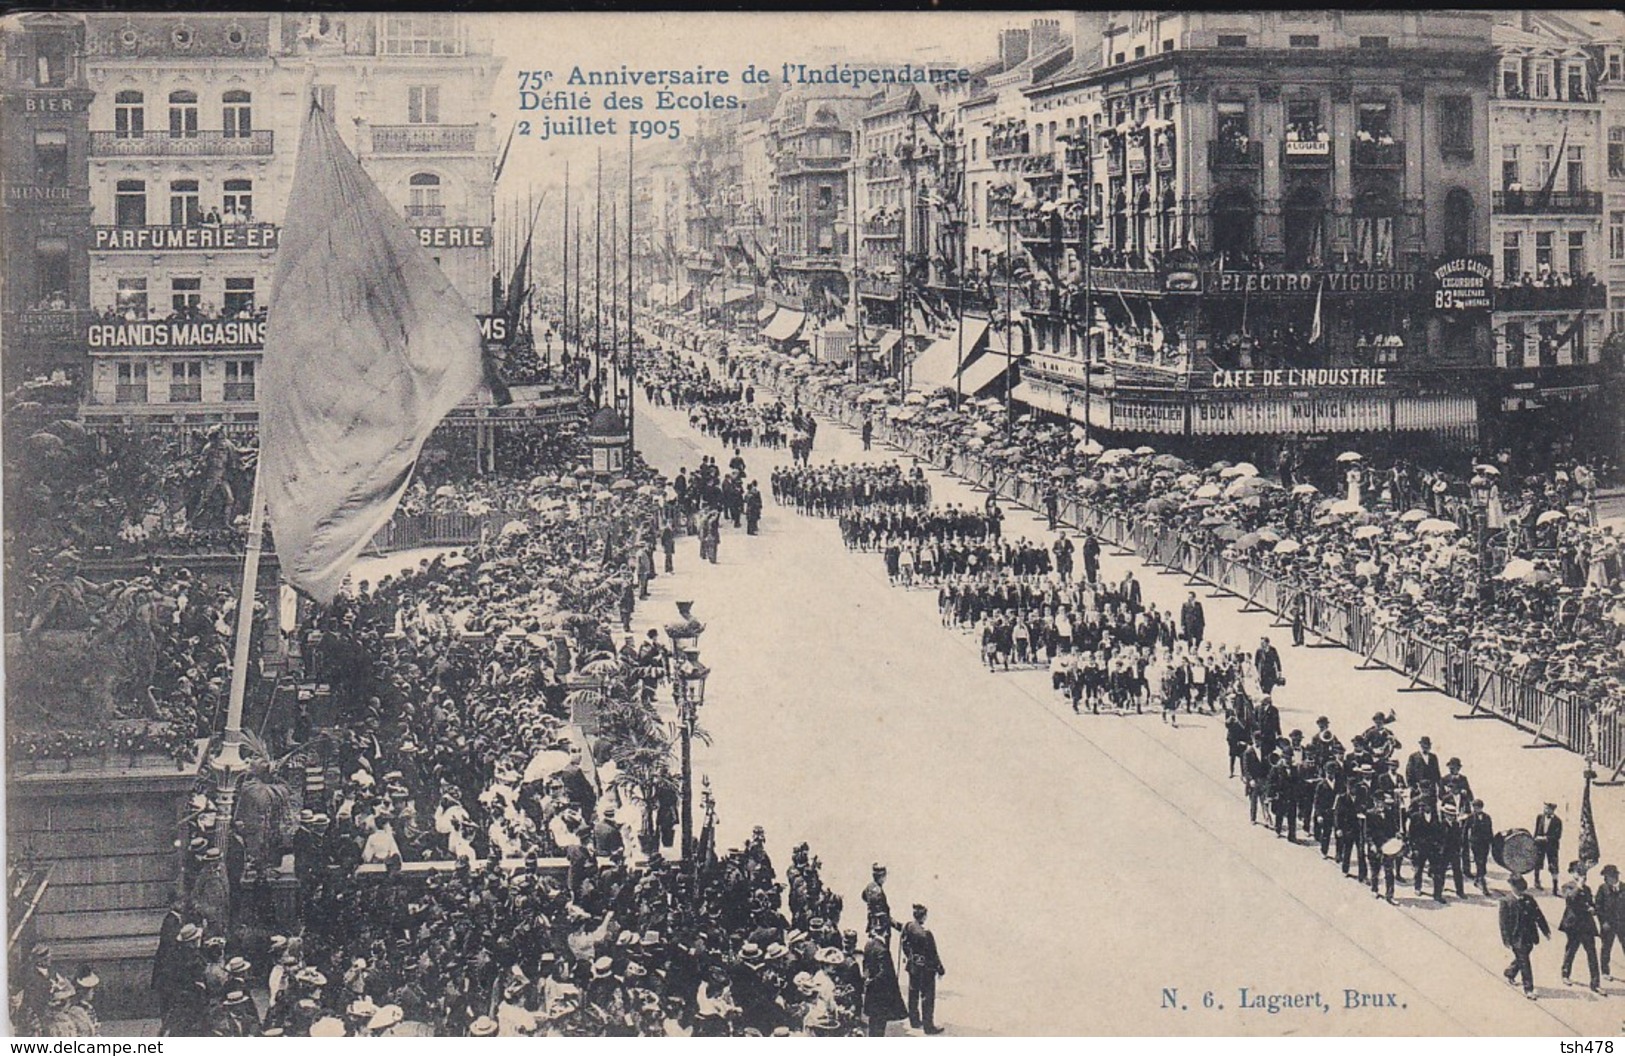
[205, 334]
[152, 239]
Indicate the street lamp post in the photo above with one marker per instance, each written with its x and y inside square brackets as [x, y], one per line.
[688, 693]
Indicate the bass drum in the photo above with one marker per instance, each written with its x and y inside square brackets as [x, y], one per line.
[1516, 850]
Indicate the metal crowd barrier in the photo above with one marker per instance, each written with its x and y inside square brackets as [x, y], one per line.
[1550, 716]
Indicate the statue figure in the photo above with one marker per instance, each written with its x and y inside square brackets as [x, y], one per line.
[85, 647]
[214, 501]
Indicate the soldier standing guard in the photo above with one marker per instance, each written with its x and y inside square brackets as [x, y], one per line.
[924, 966]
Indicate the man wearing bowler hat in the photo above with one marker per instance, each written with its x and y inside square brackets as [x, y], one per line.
[924, 965]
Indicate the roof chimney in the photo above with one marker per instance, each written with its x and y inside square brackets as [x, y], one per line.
[1014, 45]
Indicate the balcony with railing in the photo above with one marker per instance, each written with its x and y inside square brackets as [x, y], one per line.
[1298, 155]
[1548, 203]
[160, 143]
[799, 163]
[1114, 162]
[1371, 155]
[881, 167]
[1038, 166]
[1163, 154]
[1009, 145]
[426, 214]
[424, 139]
[131, 392]
[186, 392]
[239, 392]
[1045, 229]
[1531, 298]
[883, 228]
[1076, 159]
[882, 289]
[1229, 154]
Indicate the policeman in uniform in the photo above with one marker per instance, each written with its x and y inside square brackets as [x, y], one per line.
[874, 897]
[924, 965]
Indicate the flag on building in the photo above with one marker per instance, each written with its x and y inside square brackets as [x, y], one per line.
[1588, 850]
[1544, 198]
[1314, 326]
[367, 347]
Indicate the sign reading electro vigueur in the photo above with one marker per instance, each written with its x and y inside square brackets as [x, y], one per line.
[1464, 284]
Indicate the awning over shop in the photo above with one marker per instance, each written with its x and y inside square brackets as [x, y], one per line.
[984, 372]
[886, 342]
[935, 367]
[785, 325]
[1043, 399]
[736, 294]
[657, 293]
[677, 296]
[767, 313]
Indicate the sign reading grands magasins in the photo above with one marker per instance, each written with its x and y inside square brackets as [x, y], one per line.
[178, 334]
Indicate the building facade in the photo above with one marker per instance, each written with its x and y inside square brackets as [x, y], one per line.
[45, 210]
[192, 145]
[1275, 202]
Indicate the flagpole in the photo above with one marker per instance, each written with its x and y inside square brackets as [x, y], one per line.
[598, 280]
[631, 358]
[564, 277]
[229, 765]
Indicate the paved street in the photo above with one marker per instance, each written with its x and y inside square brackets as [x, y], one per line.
[1079, 868]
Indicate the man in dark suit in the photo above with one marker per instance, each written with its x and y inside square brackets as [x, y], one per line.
[1522, 926]
[1423, 765]
[1610, 915]
[924, 965]
[1192, 621]
[1579, 924]
[1267, 721]
[1129, 590]
[1091, 556]
[1427, 845]
[1478, 831]
[1268, 662]
[1548, 839]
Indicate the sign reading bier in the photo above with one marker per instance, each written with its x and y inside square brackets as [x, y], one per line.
[160, 238]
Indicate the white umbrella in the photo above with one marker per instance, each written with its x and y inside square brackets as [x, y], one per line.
[982, 430]
[1367, 531]
[1288, 546]
[1346, 508]
[1089, 447]
[1208, 491]
[1518, 568]
[914, 399]
[975, 442]
[1231, 472]
[1145, 450]
[1305, 489]
[445, 491]
[1188, 480]
[515, 528]
[1549, 516]
[1350, 456]
[1413, 516]
[1078, 432]
[1244, 469]
[1366, 568]
[1269, 535]
[1436, 526]
[1486, 468]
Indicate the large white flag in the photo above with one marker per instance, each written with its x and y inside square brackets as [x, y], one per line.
[367, 347]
